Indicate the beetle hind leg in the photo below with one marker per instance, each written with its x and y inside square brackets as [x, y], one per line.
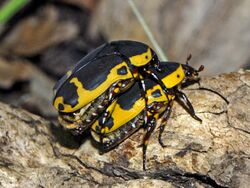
[115, 90]
[149, 129]
[145, 96]
[163, 122]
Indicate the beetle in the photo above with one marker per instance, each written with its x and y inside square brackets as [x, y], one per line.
[99, 77]
[127, 112]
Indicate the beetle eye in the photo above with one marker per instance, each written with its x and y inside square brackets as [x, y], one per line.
[188, 73]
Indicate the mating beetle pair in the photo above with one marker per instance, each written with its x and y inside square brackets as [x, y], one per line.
[99, 78]
[119, 87]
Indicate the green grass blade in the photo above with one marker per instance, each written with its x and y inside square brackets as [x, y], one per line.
[10, 8]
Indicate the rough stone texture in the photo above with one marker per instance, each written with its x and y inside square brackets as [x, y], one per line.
[38, 32]
[38, 93]
[215, 32]
[214, 153]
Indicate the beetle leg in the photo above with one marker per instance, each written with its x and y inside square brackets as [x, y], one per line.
[145, 96]
[103, 120]
[156, 62]
[116, 89]
[163, 122]
[186, 104]
[114, 138]
[149, 128]
[158, 81]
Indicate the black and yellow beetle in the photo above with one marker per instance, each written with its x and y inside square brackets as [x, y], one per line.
[84, 92]
[127, 112]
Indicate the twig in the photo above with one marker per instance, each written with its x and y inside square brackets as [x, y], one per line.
[148, 32]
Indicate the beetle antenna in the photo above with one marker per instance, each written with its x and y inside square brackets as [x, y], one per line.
[191, 82]
[188, 58]
[201, 68]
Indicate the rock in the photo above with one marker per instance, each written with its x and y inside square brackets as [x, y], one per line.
[12, 71]
[24, 85]
[38, 32]
[89, 4]
[214, 32]
[214, 153]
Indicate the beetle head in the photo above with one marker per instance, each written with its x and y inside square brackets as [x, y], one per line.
[190, 72]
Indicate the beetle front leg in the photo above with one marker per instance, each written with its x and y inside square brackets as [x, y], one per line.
[152, 75]
[186, 104]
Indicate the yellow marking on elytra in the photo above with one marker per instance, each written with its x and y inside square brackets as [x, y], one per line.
[86, 96]
[161, 98]
[172, 79]
[169, 81]
[121, 116]
[141, 59]
[58, 101]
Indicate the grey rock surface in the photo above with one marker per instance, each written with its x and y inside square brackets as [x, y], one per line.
[214, 153]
